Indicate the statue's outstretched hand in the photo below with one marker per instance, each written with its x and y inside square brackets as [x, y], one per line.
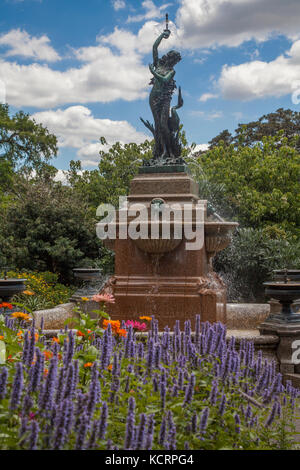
[166, 33]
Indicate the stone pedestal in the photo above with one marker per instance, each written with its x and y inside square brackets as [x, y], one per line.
[287, 334]
[161, 277]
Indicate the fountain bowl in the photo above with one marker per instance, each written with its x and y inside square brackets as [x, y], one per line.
[11, 287]
[292, 275]
[285, 293]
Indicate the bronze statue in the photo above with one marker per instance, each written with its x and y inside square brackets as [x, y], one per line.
[167, 149]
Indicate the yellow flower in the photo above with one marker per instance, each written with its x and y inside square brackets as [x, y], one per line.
[28, 292]
[145, 318]
[21, 315]
[85, 299]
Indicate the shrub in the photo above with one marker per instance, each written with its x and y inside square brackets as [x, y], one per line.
[250, 259]
[47, 291]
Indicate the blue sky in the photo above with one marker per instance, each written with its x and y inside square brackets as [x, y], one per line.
[81, 68]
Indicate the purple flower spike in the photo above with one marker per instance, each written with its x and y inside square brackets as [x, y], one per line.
[272, 415]
[203, 420]
[34, 433]
[150, 433]
[17, 387]
[141, 432]
[103, 421]
[3, 381]
[130, 426]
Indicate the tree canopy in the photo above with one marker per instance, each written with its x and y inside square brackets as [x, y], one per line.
[285, 121]
[24, 143]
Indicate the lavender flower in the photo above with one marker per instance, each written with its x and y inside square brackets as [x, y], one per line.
[130, 426]
[34, 433]
[150, 432]
[3, 381]
[203, 420]
[103, 421]
[17, 387]
[141, 432]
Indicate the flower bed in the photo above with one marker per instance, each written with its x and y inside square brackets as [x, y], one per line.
[43, 290]
[104, 389]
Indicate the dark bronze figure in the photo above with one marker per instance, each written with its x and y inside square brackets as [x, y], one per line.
[167, 148]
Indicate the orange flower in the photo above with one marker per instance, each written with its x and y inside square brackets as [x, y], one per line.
[79, 333]
[146, 318]
[121, 332]
[20, 333]
[115, 325]
[45, 372]
[28, 292]
[88, 364]
[110, 367]
[48, 354]
[9, 358]
[1, 338]
[36, 336]
[6, 305]
[21, 315]
[55, 340]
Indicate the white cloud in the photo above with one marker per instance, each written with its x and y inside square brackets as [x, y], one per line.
[207, 96]
[142, 42]
[258, 79]
[20, 43]
[204, 23]
[77, 128]
[208, 116]
[102, 76]
[118, 4]
[152, 11]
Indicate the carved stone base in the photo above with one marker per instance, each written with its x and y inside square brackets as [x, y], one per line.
[287, 333]
[168, 299]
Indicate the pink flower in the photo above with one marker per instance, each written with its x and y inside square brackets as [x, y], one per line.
[136, 325]
[31, 415]
[108, 298]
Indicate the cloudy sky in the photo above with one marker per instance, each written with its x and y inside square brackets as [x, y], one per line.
[81, 67]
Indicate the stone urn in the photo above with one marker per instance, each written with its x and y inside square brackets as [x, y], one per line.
[286, 293]
[11, 287]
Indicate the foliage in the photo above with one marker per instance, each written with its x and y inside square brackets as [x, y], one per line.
[250, 259]
[48, 227]
[268, 125]
[116, 393]
[23, 142]
[42, 290]
[261, 183]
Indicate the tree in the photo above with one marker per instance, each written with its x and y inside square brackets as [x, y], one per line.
[285, 121]
[261, 183]
[47, 227]
[112, 178]
[224, 136]
[24, 143]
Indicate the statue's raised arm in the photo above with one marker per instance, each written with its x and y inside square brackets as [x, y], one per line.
[167, 149]
[162, 36]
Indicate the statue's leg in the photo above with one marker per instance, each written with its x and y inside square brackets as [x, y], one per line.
[166, 133]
